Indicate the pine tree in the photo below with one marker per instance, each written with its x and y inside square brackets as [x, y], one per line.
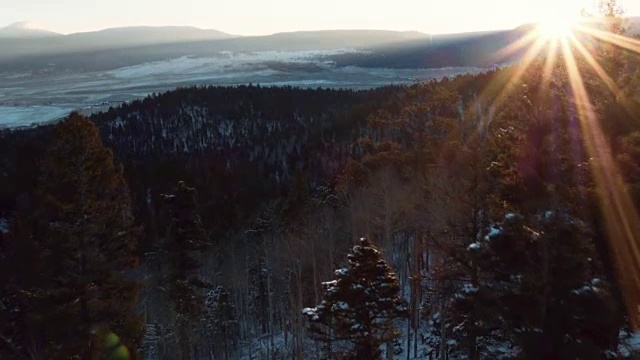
[187, 238]
[74, 251]
[222, 320]
[360, 305]
[612, 14]
[541, 294]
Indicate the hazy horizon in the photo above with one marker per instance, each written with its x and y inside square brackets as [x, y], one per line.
[249, 17]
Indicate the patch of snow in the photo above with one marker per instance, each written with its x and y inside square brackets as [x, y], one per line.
[312, 313]
[340, 305]
[4, 226]
[474, 246]
[493, 232]
[331, 286]
[634, 341]
[515, 278]
[583, 290]
[629, 343]
[330, 283]
[469, 289]
[341, 272]
[592, 286]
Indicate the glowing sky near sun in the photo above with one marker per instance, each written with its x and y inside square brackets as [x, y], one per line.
[251, 17]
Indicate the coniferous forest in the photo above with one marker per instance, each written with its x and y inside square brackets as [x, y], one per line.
[477, 217]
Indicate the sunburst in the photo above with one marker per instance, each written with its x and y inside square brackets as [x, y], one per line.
[558, 37]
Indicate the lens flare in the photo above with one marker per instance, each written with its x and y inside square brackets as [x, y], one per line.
[561, 37]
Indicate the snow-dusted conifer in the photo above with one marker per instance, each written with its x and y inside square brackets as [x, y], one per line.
[540, 295]
[222, 325]
[186, 239]
[359, 306]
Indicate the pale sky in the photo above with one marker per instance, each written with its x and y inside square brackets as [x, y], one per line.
[254, 17]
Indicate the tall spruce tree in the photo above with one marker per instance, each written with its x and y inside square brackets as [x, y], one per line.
[541, 293]
[222, 325]
[186, 239]
[74, 250]
[360, 305]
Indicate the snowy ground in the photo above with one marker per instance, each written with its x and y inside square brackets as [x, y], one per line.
[26, 98]
[11, 116]
[4, 226]
[265, 348]
[630, 345]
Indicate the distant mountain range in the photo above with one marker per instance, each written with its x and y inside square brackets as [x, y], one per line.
[119, 47]
[20, 39]
[23, 47]
[25, 30]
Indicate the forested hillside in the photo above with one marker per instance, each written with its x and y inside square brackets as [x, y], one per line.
[469, 218]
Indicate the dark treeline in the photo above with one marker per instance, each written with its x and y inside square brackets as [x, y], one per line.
[220, 223]
[220, 140]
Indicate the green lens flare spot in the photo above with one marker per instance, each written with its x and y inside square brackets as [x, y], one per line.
[112, 341]
[121, 353]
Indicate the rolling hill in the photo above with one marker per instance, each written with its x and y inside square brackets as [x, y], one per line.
[25, 30]
[122, 47]
[27, 57]
[17, 43]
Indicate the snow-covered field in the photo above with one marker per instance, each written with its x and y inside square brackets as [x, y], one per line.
[27, 98]
[11, 116]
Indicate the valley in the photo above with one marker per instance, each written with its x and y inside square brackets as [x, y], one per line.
[177, 192]
[36, 97]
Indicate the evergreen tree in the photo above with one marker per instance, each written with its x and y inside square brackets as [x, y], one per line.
[222, 321]
[187, 238]
[612, 14]
[360, 305]
[74, 251]
[541, 294]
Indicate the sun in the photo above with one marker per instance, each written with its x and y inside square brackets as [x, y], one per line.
[556, 19]
[562, 37]
[556, 26]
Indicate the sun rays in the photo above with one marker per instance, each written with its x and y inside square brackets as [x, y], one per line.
[564, 41]
[620, 215]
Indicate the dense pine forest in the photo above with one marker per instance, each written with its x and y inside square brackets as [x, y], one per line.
[467, 218]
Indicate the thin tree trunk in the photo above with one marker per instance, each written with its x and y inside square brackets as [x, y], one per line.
[418, 266]
[226, 346]
[298, 317]
[389, 243]
[271, 315]
[475, 229]
[314, 268]
[443, 334]
[412, 289]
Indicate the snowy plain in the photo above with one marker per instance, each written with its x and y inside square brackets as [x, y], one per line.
[11, 116]
[27, 98]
